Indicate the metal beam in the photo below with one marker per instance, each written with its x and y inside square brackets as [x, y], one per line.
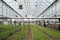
[47, 8]
[29, 18]
[11, 8]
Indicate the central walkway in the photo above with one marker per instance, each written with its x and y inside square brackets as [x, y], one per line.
[30, 35]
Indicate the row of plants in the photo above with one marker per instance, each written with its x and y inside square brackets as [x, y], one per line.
[38, 35]
[5, 30]
[50, 31]
[21, 35]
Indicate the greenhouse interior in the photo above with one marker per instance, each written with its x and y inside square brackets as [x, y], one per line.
[29, 19]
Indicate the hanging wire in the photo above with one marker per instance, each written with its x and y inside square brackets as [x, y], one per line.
[2, 10]
[26, 8]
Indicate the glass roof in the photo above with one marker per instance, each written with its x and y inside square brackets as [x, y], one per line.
[35, 7]
[30, 7]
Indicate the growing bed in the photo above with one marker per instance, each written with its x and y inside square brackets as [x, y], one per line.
[5, 30]
[50, 31]
[38, 35]
[22, 35]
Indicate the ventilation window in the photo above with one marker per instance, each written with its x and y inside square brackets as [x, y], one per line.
[20, 7]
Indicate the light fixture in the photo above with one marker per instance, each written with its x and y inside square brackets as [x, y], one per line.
[15, 0]
[16, 15]
[20, 6]
[25, 15]
[55, 15]
[36, 5]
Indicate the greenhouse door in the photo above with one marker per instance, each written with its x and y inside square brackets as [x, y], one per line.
[59, 23]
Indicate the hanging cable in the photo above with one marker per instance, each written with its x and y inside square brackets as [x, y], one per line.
[26, 8]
